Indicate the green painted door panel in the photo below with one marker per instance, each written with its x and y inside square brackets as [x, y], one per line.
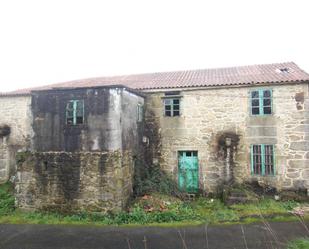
[188, 171]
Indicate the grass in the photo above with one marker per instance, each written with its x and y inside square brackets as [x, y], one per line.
[157, 209]
[6, 199]
[299, 244]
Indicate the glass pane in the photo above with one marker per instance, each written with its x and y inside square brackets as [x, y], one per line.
[176, 101]
[267, 102]
[257, 149]
[79, 120]
[167, 107]
[255, 102]
[176, 113]
[255, 111]
[176, 107]
[188, 153]
[257, 159]
[70, 106]
[195, 153]
[70, 114]
[267, 93]
[267, 110]
[80, 112]
[168, 113]
[167, 101]
[269, 164]
[255, 94]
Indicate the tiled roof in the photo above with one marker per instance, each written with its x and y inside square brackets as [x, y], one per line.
[244, 75]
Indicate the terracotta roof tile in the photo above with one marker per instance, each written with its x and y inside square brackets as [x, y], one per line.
[267, 73]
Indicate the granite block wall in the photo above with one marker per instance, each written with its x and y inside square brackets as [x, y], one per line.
[207, 115]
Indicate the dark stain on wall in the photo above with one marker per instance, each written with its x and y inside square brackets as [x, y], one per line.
[58, 173]
[153, 145]
[110, 120]
[300, 98]
[5, 130]
[222, 143]
[226, 152]
[52, 133]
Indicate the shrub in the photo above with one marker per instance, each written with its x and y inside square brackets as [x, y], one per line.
[150, 178]
[299, 244]
[7, 200]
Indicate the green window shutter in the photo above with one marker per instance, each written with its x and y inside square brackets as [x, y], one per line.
[251, 153]
[263, 159]
[261, 102]
[172, 107]
[79, 112]
[75, 112]
[140, 113]
[70, 112]
[266, 102]
[262, 163]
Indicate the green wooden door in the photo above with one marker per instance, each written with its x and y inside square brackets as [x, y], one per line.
[188, 171]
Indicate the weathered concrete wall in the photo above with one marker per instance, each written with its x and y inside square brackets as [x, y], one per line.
[207, 115]
[66, 182]
[132, 129]
[101, 130]
[87, 166]
[109, 121]
[16, 114]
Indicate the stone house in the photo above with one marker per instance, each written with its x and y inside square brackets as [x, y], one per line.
[203, 127]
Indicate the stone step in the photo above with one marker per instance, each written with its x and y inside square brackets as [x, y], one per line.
[236, 200]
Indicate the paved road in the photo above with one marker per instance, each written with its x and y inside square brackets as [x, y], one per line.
[72, 237]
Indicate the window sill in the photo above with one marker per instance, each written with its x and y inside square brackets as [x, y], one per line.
[264, 176]
[262, 115]
[77, 126]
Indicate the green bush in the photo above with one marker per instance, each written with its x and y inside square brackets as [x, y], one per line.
[150, 178]
[7, 200]
[289, 205]
[299, 244]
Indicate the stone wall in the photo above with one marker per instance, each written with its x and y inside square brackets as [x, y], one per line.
[15, 113]
[68, 182]
[207, 115]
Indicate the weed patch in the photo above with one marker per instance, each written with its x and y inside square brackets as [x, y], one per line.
[151, 178]
[299, 244]
[7, 200]
[156, 208]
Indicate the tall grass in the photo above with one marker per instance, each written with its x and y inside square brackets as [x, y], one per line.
[299, 244]
[7, 201]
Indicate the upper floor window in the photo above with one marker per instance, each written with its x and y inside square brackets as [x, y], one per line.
[261, 102]
[262, 159]
[140, 112]
[172, 107]
[75, 112]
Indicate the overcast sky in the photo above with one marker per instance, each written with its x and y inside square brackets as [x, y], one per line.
[45, 42]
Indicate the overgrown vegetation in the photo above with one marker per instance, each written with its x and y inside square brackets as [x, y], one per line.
[152, 209]
[6, 199]
[299, 244]
[151, 178]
